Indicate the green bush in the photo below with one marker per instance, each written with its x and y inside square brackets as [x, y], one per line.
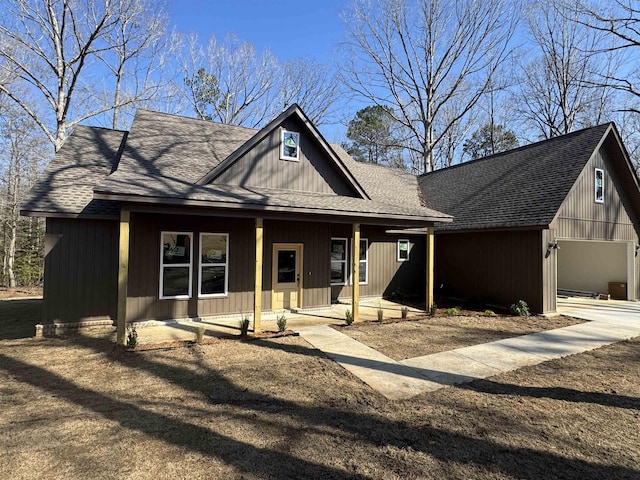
[282, 323]
[433, 310]
[452, 312]
[489, 313]
[520, 308]
[132, 336]
[404, 311]
[244, 327]
[348, 317]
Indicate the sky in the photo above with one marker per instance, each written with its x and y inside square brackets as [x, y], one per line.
[289, 28]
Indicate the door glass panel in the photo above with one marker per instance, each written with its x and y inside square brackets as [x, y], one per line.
[286, 266]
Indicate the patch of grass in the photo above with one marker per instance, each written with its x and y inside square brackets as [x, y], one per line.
[404, 311]
[18, 318]
[489, 313]
[380, 313]
[433, 310]
[453, 311]
[132, 336]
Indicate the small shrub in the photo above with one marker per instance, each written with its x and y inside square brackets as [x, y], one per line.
[199, 334]
[520, 308]
[380, 313]
[348, 317]
[452, 312]
[404, 311]
[282, 323]
[433, 309]
[244, 327]
[132, 336]
[489, 313]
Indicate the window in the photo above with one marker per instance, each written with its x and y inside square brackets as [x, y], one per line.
[290, 146]
[364, 261]
[403, 250]
[214, 265]
[175, 264]
[338, 261]
[599, 185]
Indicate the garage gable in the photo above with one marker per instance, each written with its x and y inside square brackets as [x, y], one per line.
[600, 204]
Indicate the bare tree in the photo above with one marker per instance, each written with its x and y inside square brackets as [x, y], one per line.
[134, 54]
[52, 46]
[245, 80]
[619, 21]
[421, 57]
[20, 161]
[557, 89]
[311, 85]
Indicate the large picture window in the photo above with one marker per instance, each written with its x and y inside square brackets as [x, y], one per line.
[338, 261]
[175, 264]
[214, 265]
[599, 185]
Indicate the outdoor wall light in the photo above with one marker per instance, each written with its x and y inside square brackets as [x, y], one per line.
[552, 246]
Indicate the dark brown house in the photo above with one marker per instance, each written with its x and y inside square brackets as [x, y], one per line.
[562, 214]
[182, 218]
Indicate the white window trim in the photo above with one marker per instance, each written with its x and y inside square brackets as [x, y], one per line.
[595, 188]
[365, 261]
[402, 240]
[217, 264]
[345, 261]
[282, 155]
[174, 265]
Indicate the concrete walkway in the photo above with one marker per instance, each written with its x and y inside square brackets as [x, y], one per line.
[398, 380]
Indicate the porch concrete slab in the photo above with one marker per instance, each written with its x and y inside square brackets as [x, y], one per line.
[450, 368]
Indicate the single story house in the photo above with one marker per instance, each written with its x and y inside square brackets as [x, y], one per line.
[183, 218]
[558, 215]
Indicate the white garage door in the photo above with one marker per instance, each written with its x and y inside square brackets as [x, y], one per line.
[590, 266]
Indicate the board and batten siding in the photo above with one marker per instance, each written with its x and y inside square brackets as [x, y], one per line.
[143, 301]
[262, 166]
[80, 270]
[581, 218]
[498, 267]
[387, 277]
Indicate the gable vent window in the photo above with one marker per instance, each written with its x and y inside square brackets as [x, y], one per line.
[290, 146]
[599, 186]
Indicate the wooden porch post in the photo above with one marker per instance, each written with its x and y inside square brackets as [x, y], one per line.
[430, 268]
[355, 276]
[257, 294]
[123, 277]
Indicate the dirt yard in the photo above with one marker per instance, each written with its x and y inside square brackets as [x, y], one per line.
[275, 409]
[414, 338]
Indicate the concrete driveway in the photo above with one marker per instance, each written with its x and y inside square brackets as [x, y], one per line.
[610, 311]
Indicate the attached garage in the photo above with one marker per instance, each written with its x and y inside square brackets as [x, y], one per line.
[560, 214]
[596, 267]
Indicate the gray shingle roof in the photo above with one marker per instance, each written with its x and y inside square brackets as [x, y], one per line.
[164, 157]
[523, 187]
[66, 185]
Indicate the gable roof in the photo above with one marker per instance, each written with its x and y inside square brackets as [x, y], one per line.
[65, 188]
[523, 187]
[164, 157]
[293, 111]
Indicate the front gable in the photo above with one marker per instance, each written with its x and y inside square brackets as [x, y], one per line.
[610, 214]
[259, 163]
